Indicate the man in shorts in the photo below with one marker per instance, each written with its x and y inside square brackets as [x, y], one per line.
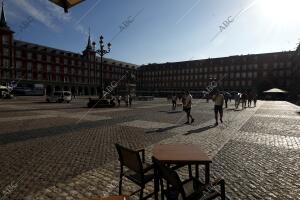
[218, 98]
[187, 106]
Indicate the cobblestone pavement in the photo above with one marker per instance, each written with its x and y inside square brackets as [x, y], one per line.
[66, 151]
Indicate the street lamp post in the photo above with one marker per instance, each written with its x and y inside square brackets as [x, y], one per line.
[102, 51]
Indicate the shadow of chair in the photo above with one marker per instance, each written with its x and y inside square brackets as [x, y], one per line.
[138, 171]
[190, 189]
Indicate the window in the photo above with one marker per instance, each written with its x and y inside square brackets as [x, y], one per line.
[29, 67]
[281, 73]
[40, 76]
[6, 63]
[18, 54]
[5, 39]
[250, 74]
[281, 64]
[19, 75]
[48, 68]
[243, 75]
[57, 69]
[18, 64]
[29, 75]
[250, 83]
[29, 55]
[265, 74]
[6, 52]
[39, 68]
[254, 74]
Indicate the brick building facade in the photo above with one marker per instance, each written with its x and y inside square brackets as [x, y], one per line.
[256, 72]
[57, 69]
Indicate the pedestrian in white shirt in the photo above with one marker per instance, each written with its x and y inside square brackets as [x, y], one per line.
[188, 106]
[218, 98]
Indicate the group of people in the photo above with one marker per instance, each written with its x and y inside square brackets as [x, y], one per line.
[244, 98]
[219, 100]
[128, 100]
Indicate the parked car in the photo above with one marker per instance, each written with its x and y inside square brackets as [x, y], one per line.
[60, 96]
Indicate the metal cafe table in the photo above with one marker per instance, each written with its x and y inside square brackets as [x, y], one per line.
[181, 154]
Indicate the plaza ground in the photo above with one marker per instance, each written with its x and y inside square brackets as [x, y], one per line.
[66, 151]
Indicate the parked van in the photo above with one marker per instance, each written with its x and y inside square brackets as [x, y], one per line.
[60, 96]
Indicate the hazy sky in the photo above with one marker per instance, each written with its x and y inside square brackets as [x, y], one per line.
[161, 30]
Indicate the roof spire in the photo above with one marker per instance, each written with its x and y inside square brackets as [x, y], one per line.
[3, 20]
[89, 45]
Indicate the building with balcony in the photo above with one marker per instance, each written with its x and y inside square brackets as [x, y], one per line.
[257, 72]
[28, 63]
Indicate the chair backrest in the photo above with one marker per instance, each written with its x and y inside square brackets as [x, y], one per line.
[171, 177]
[130, 158]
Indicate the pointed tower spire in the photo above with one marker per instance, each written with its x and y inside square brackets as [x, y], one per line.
[89, 45]
[3, 20]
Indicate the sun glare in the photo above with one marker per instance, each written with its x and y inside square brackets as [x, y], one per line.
[281, 10]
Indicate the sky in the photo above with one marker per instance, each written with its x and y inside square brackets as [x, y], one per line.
[158, 31]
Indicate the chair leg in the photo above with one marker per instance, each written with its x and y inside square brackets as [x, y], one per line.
[141, 192]
[223, 196]
[120, 182]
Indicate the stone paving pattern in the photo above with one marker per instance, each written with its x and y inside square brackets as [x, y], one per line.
[65, 156]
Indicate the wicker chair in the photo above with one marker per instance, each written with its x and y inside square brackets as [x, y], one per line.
[138, 171]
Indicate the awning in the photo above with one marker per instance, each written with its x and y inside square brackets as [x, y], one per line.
[275, 90]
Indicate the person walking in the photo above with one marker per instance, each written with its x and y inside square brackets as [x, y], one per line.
[207, 97]
[237, 99]
[183, 101]
[244, 100]
[129, 100]
[254, 99]
[174, 102]
[187, 106]
[218, 98]
[226, 97]
[249, 99]
[119, 100]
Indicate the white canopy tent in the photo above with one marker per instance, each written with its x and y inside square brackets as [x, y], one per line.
[275, 90]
